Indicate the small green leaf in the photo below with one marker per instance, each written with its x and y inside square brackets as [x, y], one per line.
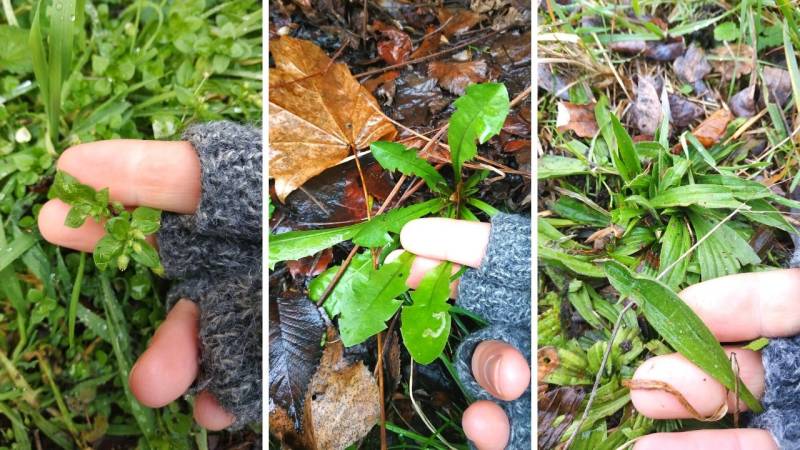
[146, 220]
[479, 115]
[571, 262]
[675, 243]
[146, 255]
[118, 227]
[680, 327]
[624, 154]
[77, 216]
[106, 251]
[554, 166]
[726, 31]
[299, 244]
[14, 52]
[394, 156]
[373, 301]
[426, 324]
[359, 269]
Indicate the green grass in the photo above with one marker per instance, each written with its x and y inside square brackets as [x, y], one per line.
[672, 209]
[68, 333]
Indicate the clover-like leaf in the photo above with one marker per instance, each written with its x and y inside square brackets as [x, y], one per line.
[106, 251]
[147, 220]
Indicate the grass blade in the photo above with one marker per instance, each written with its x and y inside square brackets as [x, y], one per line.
[74, 297]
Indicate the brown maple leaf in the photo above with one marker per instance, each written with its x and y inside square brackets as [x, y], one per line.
[318, 114]
[456, 76]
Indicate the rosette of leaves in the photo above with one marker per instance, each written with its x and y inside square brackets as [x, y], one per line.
[126, 231]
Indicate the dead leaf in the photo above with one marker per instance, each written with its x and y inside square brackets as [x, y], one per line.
[578, 118]
[711, 130]
[430, 43]
[682, 111]
[692, 66]
[511, 17]
[396, 45]
[456, 76]
[460, 20]
[293, 356]
[548, 363]
[779, 84]
[418, 99]
[511, 48]
[557, 410]
[342, 401]
[657, 385]
[603, 236]
[646, 112]
[483, 6]
[318, 114]
[552, 82]
[733, 61]
[656, 50]
[310, 266]
[743, 104]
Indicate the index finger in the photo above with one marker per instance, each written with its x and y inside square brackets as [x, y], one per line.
[159, 174]
[749, 305]
[459, 241]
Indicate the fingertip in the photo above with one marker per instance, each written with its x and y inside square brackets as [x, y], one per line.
[169, 365]
[392, 256]
[501, 369]
[51, 225]
[209, 414]
[410, 231]
[486, 425]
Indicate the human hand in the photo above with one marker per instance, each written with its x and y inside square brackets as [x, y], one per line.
[162, 175]
[736, 308]
[498, 367]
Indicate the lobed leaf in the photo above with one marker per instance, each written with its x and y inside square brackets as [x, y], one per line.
[394, 156]
[426, 323]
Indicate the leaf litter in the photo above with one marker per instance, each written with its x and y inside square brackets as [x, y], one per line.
[323, 187]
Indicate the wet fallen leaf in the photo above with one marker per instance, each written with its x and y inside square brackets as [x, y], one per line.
[779, 84]
[342, 402]
[396, 45]
[318, 114]
[458, 20]
[417, 99]
[430, 43]
[293, 355]
[578, 118]
[692, 66]
[552, 82]
[711, 130]
[600, 238]
[456, 76]
[548, 362]
[683, 112]
[743, 104]
[557, 410]
[657, 385]
[513, 48]
[310, 266]
[733, 61]
[383, 85]
[646, 113]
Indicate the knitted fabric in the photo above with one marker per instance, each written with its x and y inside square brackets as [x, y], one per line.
[781, 359]
[500, 292]
[215, 257]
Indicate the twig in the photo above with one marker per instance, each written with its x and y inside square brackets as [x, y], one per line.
[618, 325]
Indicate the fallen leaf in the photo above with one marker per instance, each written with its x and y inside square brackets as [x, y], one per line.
[578, 118]
[310, 266]
[342, 402]
[318, 114]
[396, 45]
[548, 363]
[682, 111]
[711, 130]
[511, 17]
[646, 112]
[692, 66]
[430, 43]
[656, 50]
[779, 84]
[743, 104]
[600, 238]
[417, 99]
[562, 404]
[293, 355]
[456, 76]
[458, 20]
[552, 82]
[733, 61]
[628, 47]
[483, 6]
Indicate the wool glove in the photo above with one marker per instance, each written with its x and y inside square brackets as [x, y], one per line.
[214, 255]
[781, 402]
[500, 292]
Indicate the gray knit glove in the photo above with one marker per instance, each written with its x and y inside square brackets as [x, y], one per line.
[215, 255]
[500, 292]
[781, 358]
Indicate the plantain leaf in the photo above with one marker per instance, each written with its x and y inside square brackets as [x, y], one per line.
[625, 157]
[573, 263]
[373, 301]
[555, 166]
[426, 324]
[679, 326]
[480, 114]
[724, 252]
[675, 243]
[704, 195]
[394, 156]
